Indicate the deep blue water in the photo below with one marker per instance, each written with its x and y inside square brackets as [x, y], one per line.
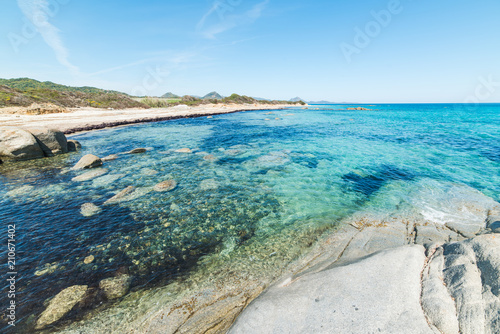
[288, 175]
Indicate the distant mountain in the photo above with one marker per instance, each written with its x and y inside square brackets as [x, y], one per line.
[170, 95]
[212, 96]
[321, 102]
[296, 99]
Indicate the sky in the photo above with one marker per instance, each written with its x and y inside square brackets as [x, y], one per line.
[370, 51]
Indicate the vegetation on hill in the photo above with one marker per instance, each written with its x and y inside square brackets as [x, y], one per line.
[24, 92]
[212, 96]
[170, 95]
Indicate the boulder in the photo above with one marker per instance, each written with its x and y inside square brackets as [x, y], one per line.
[52, 142]
[18, 144]
[61, 304]
[137, 151]
[115, 287]
[380, 293]
[90, 175]
[166, 186]
[89, 210]
[120, 195]
[74, 145]
[88, 161]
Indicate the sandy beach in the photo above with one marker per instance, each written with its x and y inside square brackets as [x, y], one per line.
[85, 119]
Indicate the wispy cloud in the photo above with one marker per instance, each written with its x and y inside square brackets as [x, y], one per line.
[37, 12]
[227, 22]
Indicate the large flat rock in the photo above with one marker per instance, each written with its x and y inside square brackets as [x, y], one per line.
[380, 293]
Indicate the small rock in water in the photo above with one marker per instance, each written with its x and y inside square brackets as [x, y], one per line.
[209, 184]
[74, 145]
[166, 186]
[49, 269]
[90, 175]
[210, 157]
[233, 152]
[89, 210]
[120, 195]
[110, 157]
[137, 150]
[148, 171]
[88, 161]
[115, 287]
[209, 117]
[89, 259]
[184, 150]
[61, 304]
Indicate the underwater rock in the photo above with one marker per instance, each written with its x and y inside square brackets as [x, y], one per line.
[49, 269]
[90, 175]
[52, 142]
[74, 145]
[89, 259]
[115, 287]
[167, 185]
[61, 304]
[110, 157]
[149, 171]
[89, 210]
[17, 144]
[209, 184]
[184, 150]
[137, 150]
[88, 161]
[120, 195]
[210, 157]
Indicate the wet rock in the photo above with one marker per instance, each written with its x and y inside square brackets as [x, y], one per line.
[90, 175]
[88, 161]
[110, 157]
[167, 185]
[493, 220]
[137, 151]
[61, 304]
[52, 142]
[115, 287]
[184, 150]
[89, 210]
[89, 259]
[17, 144]
[49, 269]
[210, 157]
[120, 195]
[74, 145]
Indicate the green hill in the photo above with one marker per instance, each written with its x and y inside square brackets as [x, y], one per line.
[212, 96]
[170, 95]
[23, 92]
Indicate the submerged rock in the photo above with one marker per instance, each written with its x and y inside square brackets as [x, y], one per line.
[137, 151]
[184, 150]
[61, 304]
[210, 157]
[52, 142]
[17, 144]
[115, 287]
[49, 269]
[89, 210]
[209, 184]
[90, 175]
[88, 161]
[89, 259]
[110, 157]
[74, 145]
[120, 195]
[167, 185]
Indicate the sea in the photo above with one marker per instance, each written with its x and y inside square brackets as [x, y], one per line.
[254, 193]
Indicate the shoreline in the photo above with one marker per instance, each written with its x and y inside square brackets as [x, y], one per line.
[87, 119]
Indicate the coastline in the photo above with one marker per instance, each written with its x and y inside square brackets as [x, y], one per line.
[87, 119]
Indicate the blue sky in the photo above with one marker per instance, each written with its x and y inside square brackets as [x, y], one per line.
[338, 50]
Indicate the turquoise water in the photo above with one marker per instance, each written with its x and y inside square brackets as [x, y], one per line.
[257, 183]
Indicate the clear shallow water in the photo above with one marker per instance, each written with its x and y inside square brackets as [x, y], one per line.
[275, 186]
